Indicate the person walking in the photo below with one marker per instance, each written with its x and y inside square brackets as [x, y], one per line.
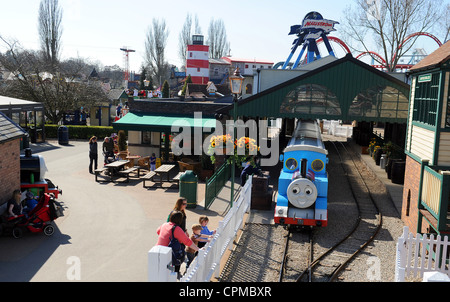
[93, 154]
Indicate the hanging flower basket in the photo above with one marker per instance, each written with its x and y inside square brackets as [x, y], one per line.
[241, 149]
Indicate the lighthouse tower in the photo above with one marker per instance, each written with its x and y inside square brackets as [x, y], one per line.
[197, 60]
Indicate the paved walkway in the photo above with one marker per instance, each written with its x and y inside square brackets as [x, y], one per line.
[108, 227]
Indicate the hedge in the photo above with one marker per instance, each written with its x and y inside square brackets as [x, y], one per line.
[80, 132]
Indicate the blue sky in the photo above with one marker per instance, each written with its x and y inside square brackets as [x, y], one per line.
[97, 29]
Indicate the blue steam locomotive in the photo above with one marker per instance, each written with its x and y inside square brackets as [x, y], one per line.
[303, 182]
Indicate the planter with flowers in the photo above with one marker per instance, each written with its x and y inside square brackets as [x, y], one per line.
[243, 149]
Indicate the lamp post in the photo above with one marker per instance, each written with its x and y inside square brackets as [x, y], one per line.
[236, 81]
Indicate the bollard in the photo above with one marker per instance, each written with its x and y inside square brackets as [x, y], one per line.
[383, 161]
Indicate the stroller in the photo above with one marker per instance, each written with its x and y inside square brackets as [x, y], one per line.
[39, 219]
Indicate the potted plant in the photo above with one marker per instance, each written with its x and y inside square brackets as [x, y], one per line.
[122, 140]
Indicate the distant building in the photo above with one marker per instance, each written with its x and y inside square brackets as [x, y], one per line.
[248, 69]
[11, 135]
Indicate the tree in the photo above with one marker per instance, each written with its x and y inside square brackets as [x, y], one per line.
[60, 92]
[387, 23]
[445, 22]
[186, 82]
[217, 39]
[155, 45]
[143, 77]
[166, 90]
[50, 31]
[185, 36]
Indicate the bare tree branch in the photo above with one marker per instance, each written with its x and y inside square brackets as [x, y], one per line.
[50, 31]
[155, 45]
[396, 20]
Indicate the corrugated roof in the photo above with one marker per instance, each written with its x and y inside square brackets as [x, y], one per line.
[439, 56]
[9, 130]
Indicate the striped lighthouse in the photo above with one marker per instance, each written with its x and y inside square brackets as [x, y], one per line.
[197, 60]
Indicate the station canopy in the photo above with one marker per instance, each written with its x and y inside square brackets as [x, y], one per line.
[345, 89]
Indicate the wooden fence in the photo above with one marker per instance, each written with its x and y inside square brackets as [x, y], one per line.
[420, 254]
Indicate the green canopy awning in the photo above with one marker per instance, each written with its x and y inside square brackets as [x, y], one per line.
[157, 123]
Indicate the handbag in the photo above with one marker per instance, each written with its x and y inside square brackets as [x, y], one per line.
[178, 252]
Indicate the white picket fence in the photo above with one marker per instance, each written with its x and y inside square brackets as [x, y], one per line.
[207, 263]
[420, 254]
[335, 128]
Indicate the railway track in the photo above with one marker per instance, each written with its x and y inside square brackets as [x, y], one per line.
[327, 266]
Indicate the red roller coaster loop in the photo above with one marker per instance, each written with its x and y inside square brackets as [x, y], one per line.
[372, 53]
[337, 40]
[383, 63]
[414, 35]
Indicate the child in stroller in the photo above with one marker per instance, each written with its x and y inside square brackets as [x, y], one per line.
[39, 219]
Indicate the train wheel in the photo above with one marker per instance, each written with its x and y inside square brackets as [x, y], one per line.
[49, 230]
[17, 232]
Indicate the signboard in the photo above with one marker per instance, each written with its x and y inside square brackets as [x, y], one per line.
[424, 78]
[326, 25]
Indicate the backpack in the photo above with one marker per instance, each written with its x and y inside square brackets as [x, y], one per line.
[178, 252]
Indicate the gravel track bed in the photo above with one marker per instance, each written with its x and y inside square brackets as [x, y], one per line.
[258, 255]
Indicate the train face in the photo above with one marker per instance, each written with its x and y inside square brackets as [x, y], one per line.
[303, 182]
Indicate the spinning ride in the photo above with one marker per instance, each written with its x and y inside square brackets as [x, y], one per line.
[313, 28]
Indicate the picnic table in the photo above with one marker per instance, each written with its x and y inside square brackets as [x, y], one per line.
[164, 169]
[132, 158]
[111, 168]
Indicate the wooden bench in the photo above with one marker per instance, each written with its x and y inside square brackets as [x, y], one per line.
[177, 177]
[127, 172]
[98, 171]
[148, 176]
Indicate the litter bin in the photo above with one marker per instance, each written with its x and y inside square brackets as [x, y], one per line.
[188, 188]
[63, 135]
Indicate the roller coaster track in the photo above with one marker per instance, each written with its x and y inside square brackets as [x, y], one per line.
[384, 64]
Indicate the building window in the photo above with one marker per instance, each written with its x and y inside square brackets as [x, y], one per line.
[311, 99]
[248, 89]
[379, 101]
[408, 203]
[246, 65]
[426, 99]
[150, 138]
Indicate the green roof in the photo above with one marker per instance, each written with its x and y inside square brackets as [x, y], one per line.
[136, 121]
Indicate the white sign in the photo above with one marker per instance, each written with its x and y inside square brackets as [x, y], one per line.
[326, 25]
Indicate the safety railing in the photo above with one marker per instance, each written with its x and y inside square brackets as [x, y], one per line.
[216, 183]
[207, 262]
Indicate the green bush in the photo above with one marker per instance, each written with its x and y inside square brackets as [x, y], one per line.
[80, 132]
